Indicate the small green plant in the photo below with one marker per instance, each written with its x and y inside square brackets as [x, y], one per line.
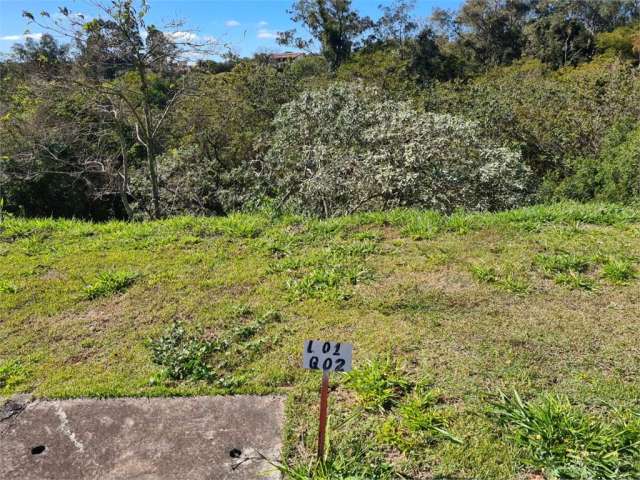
[7, 287]
[484, 274]
[110, 283]
[192, 356]
[418, 422]
[328, 282]
[184, 356]
[562, 263]
[574, 280]
[379, 384]
[567, 443]
[355, 464]
[509, 282]
[12, 373]
[241, 225]
[620, 272]
[514, 285]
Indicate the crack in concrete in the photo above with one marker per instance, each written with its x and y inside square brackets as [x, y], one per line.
[64, 428]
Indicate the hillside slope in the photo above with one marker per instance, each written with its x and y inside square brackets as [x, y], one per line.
[444, 313]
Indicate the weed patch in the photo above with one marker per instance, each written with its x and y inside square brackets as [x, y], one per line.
[484, 274]
[327, 283]
[184, 356]
[195, 357]
[12, 374]
[379, 384]
[565, 442]
[620, 272]
[417, 423]
[110, 283]
[574, 280]
[508, 282]
[7, 287]
[562, 263]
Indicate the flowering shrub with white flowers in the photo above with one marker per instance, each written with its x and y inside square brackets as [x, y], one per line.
[344, 149]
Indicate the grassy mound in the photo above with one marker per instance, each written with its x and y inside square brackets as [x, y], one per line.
[444, 313]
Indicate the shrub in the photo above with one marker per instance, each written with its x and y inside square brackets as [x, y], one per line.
[342, 149]
[611, 176]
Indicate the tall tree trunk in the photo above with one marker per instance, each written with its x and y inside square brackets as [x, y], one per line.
[153, 174]
[124, 185]
[149, 139]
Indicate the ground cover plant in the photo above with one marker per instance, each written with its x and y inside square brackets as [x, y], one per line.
[445, 312]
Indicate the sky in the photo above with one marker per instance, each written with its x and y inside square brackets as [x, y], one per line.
[247, 26]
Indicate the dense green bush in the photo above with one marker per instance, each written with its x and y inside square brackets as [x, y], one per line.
[344, 149]
[613, 175]
[553, 116]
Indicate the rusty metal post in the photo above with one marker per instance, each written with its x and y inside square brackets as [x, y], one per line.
[324, 397]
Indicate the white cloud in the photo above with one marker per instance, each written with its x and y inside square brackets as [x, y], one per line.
[263, 23]
[184, 37]
[263, 33]
[16, 38]
[232, 23]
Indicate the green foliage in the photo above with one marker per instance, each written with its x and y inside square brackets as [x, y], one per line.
[613, 175]
[575, 280]
[560, 42]
[110, 283]
[380, 384]
[419, 421]
[548, 115]
[342, 149]
[508, 282]
[12, 373]
[562, 263]
[328, 282]
[354, 464]
[621, 42]
[619, 271]
[386, 68]
[336, 26]
[483, 273]
[194, 357]
[184, 356]
[513, 284]
[7, 287]
[567, 269]
[565, 442]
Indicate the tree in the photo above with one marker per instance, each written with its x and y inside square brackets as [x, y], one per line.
[44, 56]
[332, 23]
[429, 62]
[560, 42]
[489, 32]
[138, 69]
[396, 25]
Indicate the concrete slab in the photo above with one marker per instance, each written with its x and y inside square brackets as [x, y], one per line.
[213, 438]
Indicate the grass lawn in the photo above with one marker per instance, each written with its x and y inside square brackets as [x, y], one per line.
[449, 317]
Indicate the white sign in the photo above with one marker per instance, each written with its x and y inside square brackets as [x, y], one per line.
[327, 356]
